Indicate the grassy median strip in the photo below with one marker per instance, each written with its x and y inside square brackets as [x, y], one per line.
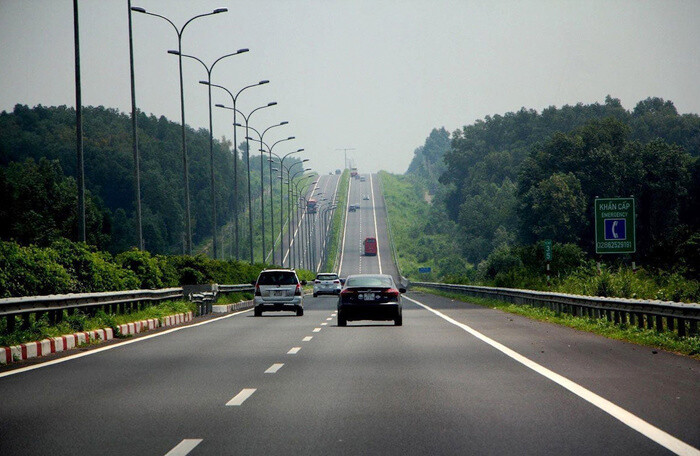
[40, 329]
[668, 341]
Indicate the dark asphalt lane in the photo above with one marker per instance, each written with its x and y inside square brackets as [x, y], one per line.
[428, 387]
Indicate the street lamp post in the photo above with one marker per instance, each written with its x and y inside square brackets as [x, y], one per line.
[262, 184]
[188, 221]
[236, 189]
[209, 69]
[299, 187]
[281, 160]
[247, 144]
[293, 213]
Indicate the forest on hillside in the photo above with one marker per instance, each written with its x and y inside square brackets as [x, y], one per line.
[38, 191]
[523, 177]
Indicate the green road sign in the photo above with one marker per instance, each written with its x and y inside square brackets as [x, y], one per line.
[548, 250]
[614, 225]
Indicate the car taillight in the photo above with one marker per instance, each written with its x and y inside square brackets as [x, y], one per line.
[392, 293]
[317, 281]
[336, 281]
[348, 292]
[257, 290]
[297, 291]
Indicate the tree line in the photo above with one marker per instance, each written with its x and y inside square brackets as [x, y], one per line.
[38, 193]
[523, 177]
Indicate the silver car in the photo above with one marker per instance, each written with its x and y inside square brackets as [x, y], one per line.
[277, 290]
[327, 283]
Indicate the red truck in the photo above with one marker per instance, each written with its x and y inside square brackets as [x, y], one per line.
[370, 245]
[311, 206]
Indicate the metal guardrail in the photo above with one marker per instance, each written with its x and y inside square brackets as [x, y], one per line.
[116, 302]
[660, 315]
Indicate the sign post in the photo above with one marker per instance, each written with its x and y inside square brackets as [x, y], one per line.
[548, 256]
[615, 230]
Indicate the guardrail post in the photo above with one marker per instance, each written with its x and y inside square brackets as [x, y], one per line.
[670, 323]
[681, 327]
[10, 323]
[659, 323]
[692, 327]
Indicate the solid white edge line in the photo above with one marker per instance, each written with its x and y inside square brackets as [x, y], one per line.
[293, 350]
[648, 430]
[241, 397]
[184, 447]
[274, 368]
[374, 216]
[111, 347]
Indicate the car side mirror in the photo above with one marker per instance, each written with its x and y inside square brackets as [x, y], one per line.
[342, 281]
[402, 290]
[303, 282]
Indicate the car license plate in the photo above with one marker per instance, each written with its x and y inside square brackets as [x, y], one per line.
[367, 296]
[278, 293]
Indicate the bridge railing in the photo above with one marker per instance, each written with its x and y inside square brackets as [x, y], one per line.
[660, 315]
[115, 302]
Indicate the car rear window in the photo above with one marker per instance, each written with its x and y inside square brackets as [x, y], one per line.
[370, 281]
[370, 240]
[277, 278]
[327, 276]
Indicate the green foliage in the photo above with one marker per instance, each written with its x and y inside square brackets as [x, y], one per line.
[336, 224]
[31, 271]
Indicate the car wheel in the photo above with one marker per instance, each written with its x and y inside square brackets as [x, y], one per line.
[300, 311]
[315, 295]
[398, 321]
[257, 311]
[341, 320]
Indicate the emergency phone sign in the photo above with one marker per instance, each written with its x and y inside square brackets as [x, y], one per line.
[614, 225]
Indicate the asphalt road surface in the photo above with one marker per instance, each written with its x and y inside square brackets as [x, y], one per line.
[454, 379]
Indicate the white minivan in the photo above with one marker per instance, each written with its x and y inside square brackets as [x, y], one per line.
[278, 290]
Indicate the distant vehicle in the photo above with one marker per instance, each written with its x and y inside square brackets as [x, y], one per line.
[362, 178]
[366, 197]
[370, 245]
[370, 297]
[327, 283]
[351, 208]
[337, 171]
[353, 172]
[311, 206]
[277, 290]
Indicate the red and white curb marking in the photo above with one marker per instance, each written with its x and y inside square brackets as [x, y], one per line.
[63, 343]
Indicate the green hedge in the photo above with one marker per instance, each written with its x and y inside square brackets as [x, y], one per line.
[74, 267]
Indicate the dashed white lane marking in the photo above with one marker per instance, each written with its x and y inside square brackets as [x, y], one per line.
[274, 368]
[240, 398]
[652, 432]
[307, 338]
[293, 350]
[316, 330]
[184, 447]
[324, 323]
[328, 319]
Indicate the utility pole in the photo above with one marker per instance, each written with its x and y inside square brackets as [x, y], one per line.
[345, 152]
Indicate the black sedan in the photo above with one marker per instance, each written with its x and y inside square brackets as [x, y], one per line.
[370, 297]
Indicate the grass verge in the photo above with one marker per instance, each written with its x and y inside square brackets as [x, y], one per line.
[337, 224]
[40, 329]
[232, 298]
[668, 341]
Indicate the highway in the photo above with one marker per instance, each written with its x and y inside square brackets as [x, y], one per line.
[454, 379]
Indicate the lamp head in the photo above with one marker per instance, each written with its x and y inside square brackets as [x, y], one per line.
[138, 9]
[219, 10]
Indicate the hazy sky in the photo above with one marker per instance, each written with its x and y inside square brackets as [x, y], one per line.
[372, 75]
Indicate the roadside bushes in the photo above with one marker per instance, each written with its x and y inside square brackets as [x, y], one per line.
[74, 267]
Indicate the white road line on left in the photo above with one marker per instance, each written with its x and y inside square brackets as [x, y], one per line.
[184, 447]
[307, 338]
[646, 429]
[317, 330]
[293, 350]
[324, 323]
[112, 347]
[240, 398]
